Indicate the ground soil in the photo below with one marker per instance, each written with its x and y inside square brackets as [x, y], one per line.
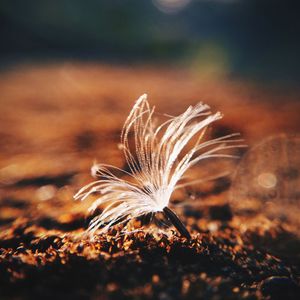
[57, 119]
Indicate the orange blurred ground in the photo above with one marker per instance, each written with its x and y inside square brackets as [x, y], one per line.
[57, 119]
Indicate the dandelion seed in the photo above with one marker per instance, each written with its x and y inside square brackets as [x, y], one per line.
[158, 162]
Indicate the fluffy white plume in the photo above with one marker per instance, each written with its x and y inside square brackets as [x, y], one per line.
[158, 160]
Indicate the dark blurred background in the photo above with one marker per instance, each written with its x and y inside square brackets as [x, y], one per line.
[253, 39]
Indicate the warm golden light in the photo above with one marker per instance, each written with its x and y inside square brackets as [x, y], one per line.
[267, 180]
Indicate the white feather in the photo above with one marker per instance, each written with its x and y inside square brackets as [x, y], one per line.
[157, 163]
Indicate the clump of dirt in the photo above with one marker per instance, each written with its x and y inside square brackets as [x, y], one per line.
[37, 261]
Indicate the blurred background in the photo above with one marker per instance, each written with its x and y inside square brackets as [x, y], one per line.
[70, 70]
[253, 39]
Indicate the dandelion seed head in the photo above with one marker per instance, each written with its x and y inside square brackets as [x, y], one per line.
[158, 159]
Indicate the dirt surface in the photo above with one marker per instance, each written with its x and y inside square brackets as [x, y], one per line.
[57, 119]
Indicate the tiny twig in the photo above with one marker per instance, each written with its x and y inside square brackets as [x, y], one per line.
[176, 222]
